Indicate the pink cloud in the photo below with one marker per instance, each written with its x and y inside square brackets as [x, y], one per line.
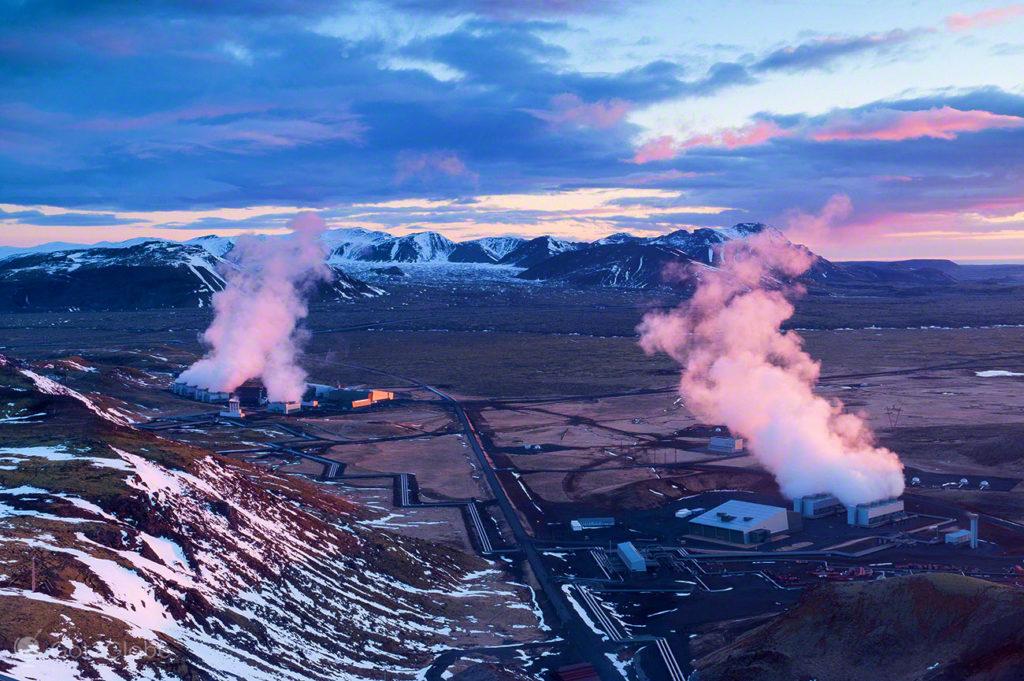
[569, 109]
[985, 18]
[667, 147]
[429, 163]
[883, 125]
[893, 126]
[751, 135]
[985, 229]
[658, 149]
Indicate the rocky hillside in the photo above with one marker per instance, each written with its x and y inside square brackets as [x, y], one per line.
[146, 275]
[938, 627]
[127, 556]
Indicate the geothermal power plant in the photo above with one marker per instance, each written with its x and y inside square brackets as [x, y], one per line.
[252, 395]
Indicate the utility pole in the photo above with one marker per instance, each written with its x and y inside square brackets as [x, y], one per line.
[894, 412]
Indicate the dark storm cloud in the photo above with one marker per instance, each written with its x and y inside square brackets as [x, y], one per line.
[174, 105]
[204, 111]
[823, 52]
[38, 219]
[507, 9]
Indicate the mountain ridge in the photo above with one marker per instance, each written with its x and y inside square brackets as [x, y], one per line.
[159, 273]
[149, 274]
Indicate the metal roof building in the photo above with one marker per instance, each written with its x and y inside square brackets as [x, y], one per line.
[741, 522]
[633, 559]
[580, 524]
[817, 505]
[729, 445]
[875, 513]
[958, 537]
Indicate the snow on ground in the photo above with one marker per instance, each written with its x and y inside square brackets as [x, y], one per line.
[290, 596]
[58, 453]
[51, 387]
[224, 567]
[17, 420]
[168, 551]
[78, 367]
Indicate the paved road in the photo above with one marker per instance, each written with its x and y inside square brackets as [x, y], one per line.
[583, 640]
[580, 638]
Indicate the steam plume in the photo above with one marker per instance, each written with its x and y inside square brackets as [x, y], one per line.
[741, 369]
[254, 334]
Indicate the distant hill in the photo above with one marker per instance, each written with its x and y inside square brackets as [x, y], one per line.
[622, 265]
[157, 273]
[145, 275]
[937, 627]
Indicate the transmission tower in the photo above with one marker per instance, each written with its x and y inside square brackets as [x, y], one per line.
[894, 411]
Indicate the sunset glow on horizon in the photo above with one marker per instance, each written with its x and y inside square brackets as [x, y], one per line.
[575, 120]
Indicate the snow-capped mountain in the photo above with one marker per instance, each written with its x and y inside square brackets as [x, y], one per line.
[537, 250]
[418, 247]
[472, 251]
[636, 265]
[217, 246]
[150, 274]
[625, 261]
[497, 247]
[157, 273]
[144, 274]
[618, 238]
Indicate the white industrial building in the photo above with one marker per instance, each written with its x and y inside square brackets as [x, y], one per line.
[581, 524]
[726, 445]
[631, 557]
[289, 407]
[194, 392]
[234, 409]
[874, 514]
[817, 505]
[958, 537]
[741, 522]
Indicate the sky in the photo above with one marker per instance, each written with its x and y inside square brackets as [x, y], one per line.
[865, 130]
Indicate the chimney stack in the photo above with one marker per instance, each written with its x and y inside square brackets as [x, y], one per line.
[973, 517]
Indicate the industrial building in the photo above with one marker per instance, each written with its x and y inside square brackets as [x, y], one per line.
[726, 445]
[194, 392]
[817, 505]
[743, 522]
[253, 395]
[345, 398]
[633, 559]
[581, 524]
[874, 514]
[958, 537]
[289, 407]
[234, 410]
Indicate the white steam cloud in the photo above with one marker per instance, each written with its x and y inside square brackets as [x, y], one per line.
[742, 370]
[254, 331]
